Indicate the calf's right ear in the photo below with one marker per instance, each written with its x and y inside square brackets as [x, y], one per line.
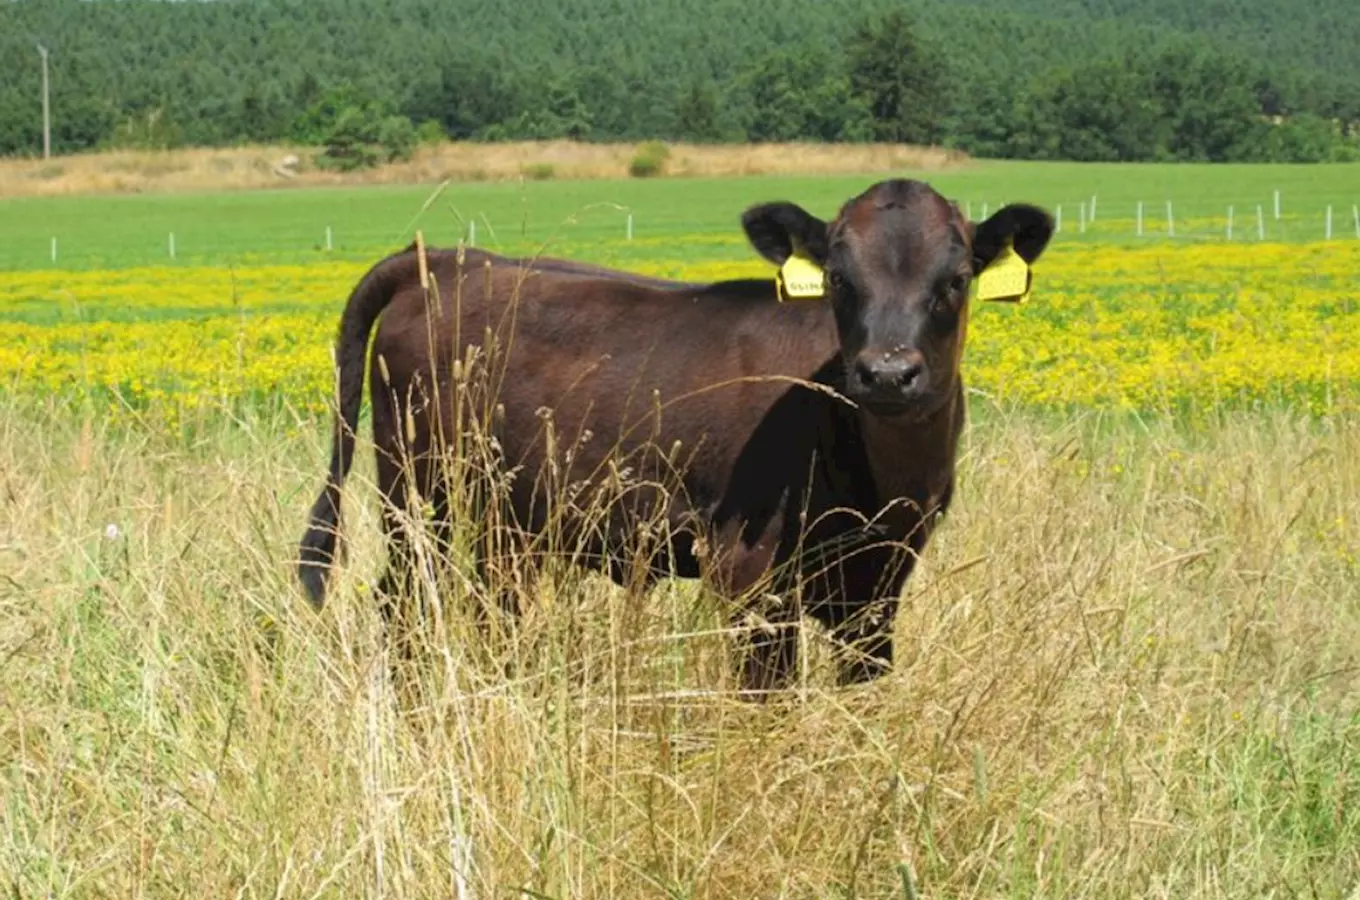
[778, 230]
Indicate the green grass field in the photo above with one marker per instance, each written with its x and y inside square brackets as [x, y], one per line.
[1128, 665]
[588, 218]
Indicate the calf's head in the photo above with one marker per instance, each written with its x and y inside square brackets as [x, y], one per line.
[898, 260]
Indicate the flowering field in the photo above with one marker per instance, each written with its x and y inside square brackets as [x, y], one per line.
[1159, 327]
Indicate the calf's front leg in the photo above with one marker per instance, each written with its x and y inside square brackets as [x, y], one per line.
[866, 644]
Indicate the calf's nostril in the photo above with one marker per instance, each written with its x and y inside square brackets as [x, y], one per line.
[865, 373]
[909, 374]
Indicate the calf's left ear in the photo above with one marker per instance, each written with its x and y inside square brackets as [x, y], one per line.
[1026, 227]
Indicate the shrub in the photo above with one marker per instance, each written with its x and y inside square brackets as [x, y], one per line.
[431, 132]
[649, 160]
[361, 138]
[397, 137]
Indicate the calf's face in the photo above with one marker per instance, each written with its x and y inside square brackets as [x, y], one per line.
[898, 260]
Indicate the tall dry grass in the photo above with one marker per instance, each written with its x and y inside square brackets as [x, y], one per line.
[127, 171]
[1127, 668]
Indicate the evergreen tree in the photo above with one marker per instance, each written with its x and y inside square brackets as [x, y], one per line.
[903, 84]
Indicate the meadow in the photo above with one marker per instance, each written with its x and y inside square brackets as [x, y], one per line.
[1128, 664]
[681, 219]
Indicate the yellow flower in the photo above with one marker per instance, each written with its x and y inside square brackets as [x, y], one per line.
[1162, 327]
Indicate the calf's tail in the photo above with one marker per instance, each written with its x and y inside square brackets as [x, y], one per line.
[317, 552]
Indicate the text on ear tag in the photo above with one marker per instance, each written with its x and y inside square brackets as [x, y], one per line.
[1008, 278]
[799, 279]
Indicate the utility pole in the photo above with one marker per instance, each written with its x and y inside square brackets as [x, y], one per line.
[47, 108]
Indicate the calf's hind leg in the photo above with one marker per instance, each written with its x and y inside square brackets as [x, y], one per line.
[401, 594]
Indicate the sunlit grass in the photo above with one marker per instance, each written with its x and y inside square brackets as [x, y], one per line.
[1127, 668]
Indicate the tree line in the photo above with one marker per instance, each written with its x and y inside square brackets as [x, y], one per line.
[997, 79]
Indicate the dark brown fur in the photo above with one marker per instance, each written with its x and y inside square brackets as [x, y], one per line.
[784, 484]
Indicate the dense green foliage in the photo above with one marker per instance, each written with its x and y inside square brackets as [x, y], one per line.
[1075, 79]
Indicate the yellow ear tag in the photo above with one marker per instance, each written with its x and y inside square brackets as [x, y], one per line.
[799, 279]
[1007, 279]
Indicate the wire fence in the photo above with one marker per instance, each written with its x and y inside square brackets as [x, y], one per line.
[621, 234]
[1231, 221]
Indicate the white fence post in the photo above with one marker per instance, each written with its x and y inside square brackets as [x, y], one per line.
[1081, 222]
[329, 245]
[1260, 223]
[1170, 221]
[472, 233]
[1355, 213]
[172, 245]
[1329, 221]
[630, 226]
[1277, 204]
[1230, 212]
[1140, 218]
[1093, 207]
